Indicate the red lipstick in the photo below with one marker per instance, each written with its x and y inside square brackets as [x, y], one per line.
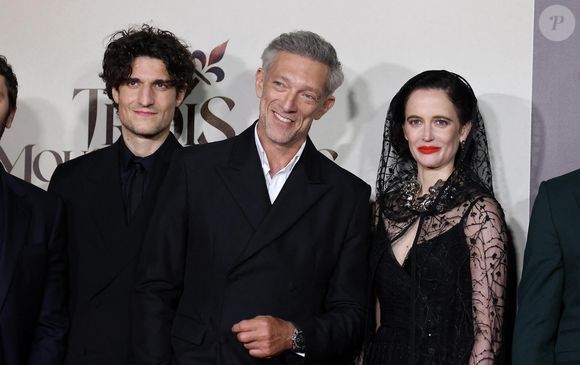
[427, 150]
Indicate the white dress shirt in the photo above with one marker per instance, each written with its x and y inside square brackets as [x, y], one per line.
[276, 182]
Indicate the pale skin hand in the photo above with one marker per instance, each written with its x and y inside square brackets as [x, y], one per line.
[264, 336]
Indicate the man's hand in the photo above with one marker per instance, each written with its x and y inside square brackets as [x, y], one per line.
[264, 336]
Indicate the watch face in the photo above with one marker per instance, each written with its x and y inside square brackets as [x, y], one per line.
[298, 344]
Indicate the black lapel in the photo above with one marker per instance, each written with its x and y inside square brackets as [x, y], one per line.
[105, 202]
[301, 191]
[244, 178]
[105, 198]
[122, 243]
[16, 225]
[577, 196]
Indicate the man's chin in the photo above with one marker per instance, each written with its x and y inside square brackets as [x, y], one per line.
[148, 134]
[279, 139]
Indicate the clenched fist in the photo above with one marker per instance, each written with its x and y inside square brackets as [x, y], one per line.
[264, 336]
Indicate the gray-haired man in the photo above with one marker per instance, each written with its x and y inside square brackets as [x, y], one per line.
[259, 250]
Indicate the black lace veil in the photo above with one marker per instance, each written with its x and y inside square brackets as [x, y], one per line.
[464, 200]
[472, 171]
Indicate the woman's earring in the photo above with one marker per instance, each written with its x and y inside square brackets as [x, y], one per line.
[462, 144]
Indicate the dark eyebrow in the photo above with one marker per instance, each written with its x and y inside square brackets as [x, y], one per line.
[130, 79]
[167, 82]
[434, 117]
[442, 117]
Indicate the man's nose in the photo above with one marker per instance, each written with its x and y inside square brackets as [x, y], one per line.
[146, 96]
[289, 101]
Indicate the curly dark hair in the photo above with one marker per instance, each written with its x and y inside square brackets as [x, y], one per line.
[126, 45]
[11, 83]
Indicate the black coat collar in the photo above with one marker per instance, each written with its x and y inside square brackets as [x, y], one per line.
[244, 178]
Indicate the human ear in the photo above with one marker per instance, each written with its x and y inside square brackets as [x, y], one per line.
[259, 82]
[9, 119]
[115, 93]
[464, 132]
[325, 107]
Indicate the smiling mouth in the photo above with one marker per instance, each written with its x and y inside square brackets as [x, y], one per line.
[427, 150]
[144, 113]
[282, 118]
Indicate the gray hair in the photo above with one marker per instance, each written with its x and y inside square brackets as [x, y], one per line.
[310, 45]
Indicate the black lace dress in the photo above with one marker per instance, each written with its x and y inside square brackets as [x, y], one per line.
[444, 304]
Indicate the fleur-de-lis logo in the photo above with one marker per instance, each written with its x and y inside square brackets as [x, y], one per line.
[215, 56]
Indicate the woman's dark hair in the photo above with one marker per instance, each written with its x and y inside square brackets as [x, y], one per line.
[457, 89]
[398, 168]
[11, 83]
[126, 45]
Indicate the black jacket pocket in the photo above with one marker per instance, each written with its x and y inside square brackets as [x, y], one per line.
[188, 329]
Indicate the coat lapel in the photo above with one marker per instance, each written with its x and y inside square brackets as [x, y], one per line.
[121, 243]
[105, 202]
[577, 196]
[244, 178]
[303, 189]
[16, 225]
[105, 198]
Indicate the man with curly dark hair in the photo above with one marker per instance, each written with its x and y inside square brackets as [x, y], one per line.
[33, 318]
[109, 194]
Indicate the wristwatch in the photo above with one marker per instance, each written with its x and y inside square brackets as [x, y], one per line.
[298, 344]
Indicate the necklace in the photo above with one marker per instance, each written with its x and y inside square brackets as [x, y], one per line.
[422, 203]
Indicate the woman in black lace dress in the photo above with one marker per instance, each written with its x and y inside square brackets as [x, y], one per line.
[439, 254]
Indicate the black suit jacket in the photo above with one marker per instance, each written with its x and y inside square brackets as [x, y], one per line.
[219, 252]
[103, 251]
[33, 318]
[547, 327]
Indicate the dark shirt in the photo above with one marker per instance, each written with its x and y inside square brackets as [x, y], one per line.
[125, 168]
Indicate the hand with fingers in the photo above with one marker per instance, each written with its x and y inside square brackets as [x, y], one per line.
[264, 336]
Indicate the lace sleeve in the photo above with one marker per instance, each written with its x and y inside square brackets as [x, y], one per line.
[487, 240]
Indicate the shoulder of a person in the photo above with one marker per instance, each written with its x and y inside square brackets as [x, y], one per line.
[339, 175]
[564, 182]
[35, 195]
[207, 152]
[66, 177]
[485, 203]
[86, 161]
